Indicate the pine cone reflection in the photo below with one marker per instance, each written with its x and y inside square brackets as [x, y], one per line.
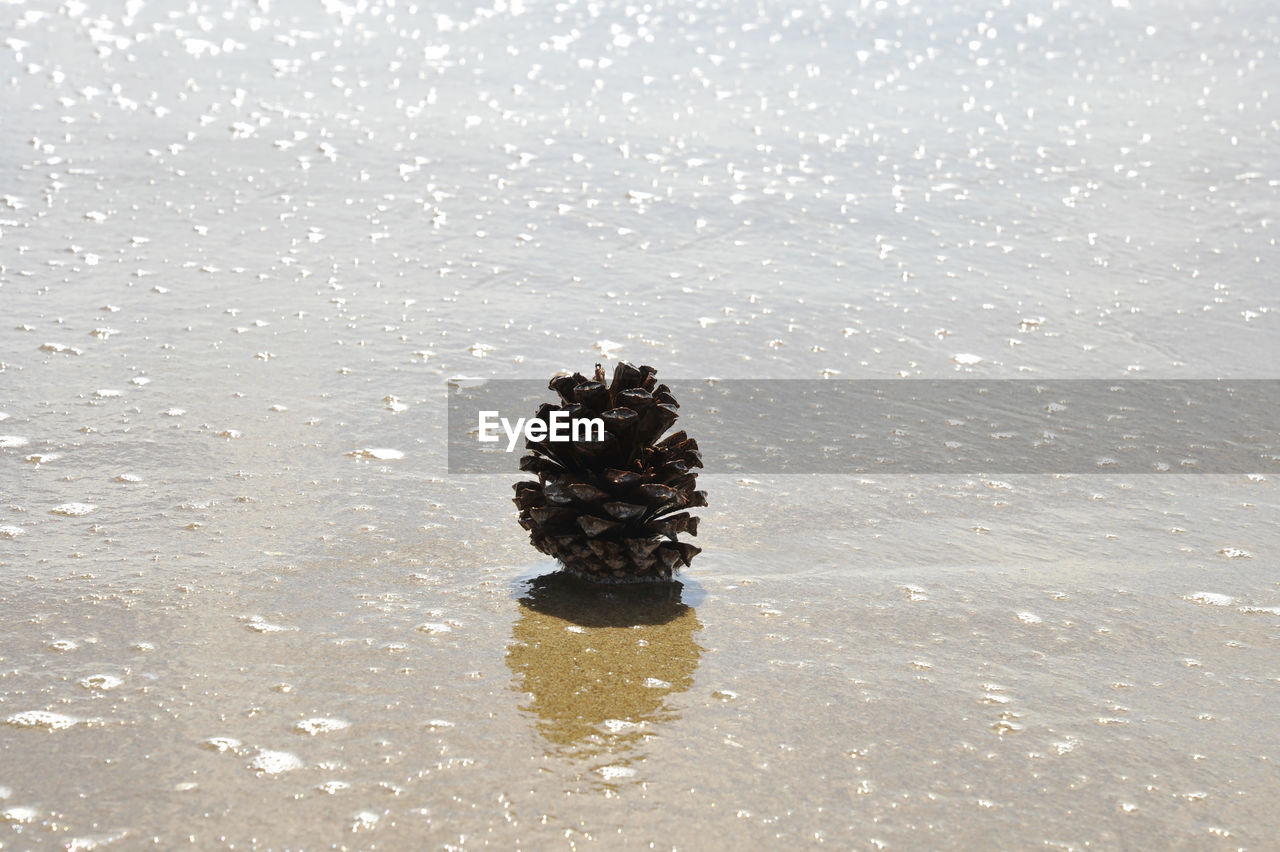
[600, 662]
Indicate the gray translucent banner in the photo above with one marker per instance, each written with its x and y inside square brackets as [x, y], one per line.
[931, 426]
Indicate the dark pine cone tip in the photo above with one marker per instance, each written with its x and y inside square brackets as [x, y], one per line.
[610, 505]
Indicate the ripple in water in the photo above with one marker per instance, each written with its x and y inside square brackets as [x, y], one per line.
[220, 744]
[320, 725]
[332, 787]
[42, 719]
[614, 773]
[74, 510]
[19, 815]
[258, 624]
[376, 454]
[1209, 598]
[268, 762]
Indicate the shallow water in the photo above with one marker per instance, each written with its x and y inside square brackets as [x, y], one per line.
[243, 247]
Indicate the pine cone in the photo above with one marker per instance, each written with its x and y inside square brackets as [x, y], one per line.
[610, 510]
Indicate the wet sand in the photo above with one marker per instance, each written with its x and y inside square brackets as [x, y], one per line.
[424, 693]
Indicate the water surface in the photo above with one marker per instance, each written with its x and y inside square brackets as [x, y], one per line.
[243, 247]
